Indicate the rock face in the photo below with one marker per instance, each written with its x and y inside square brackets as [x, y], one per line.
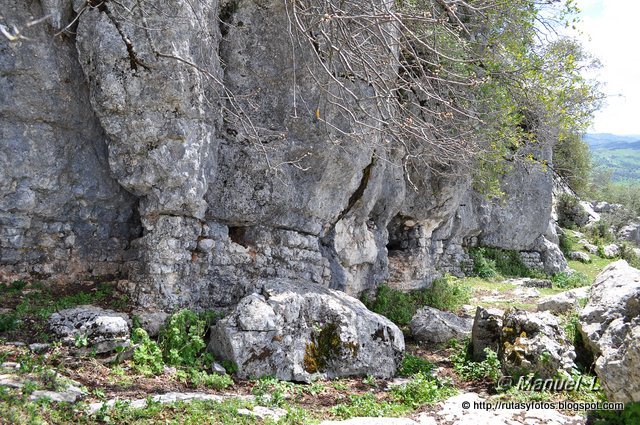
[631, 233]
[486, 332]
[91, 329]
[610, 327]
[299, 331]
[198, 156]
[433, 326]
[534, 343]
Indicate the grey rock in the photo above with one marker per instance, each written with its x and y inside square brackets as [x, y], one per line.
[171, 397]
[534, 343]
[261, 412]
[611, 250]
[218, 369]
[486, 332]
[433, 326]
[104, 330]
[563, 302]
[60, 397]
[583, 257]
[306, 331]
[605, 207]
[450, 412]
[610, 327]
[151, 321]
[591, 248]
[630, 233]
[39, 347]
[528, 282]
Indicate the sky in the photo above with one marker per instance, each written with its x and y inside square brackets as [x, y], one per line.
[611, 33]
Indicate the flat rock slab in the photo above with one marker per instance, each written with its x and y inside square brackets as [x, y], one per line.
[171, 397]
[91, 329]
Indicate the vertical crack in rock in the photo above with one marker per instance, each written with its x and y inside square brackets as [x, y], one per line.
[359, 192]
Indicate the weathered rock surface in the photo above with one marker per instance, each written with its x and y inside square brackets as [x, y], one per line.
[611, 250]
[563, 302]
[631, 233]
[583, 257]
[610, 326]
[486, 332]
[534, 343]
[297, 331]
[190, 157]
[91, 329]
[432, 326]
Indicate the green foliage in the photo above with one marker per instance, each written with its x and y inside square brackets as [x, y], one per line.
[571, 215]
[445, 293]
[180, 344]
[488, 369]
[367, 405]
[200, 378]
[566, 243]
[147, 356]
[490, 262]
[412, 364]
[629, 416]
[572, 161]
[565, 280]
[182, 340]
[422, 389]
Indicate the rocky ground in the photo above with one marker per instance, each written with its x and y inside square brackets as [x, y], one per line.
[67, 356]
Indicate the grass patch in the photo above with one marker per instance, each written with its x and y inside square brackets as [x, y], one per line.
[593, 269]
[413, 364]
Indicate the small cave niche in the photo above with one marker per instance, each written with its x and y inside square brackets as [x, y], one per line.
[238, 235]
[403, 235]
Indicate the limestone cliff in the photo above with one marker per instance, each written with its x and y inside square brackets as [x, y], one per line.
[186, 146]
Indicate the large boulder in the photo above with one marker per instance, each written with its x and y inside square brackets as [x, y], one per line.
[301, 331]
[486, 331]
[91, 329]
[534, 343]
[610, 328]
[611, 250]
[434, 326]
[583, 257]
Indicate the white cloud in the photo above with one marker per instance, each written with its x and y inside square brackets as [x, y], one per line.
[612, 34]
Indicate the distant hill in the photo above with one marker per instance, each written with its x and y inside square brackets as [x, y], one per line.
[620, 154]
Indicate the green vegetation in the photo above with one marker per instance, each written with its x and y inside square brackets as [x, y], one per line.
[447, 293]
[492, 262]
[570, 280]
[486, 370]
[421, 390]
[180, 344]
[412, 364]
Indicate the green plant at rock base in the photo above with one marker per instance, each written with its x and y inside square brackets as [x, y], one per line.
[367, 405]
[422, 389]
[490, 262]
[147, 356]
[446, 293]
[411, 365]
[570, 280]
[488, 369]
[182, 340]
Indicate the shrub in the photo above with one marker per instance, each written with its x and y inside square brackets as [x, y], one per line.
[570, 213]
[490, 262]
[570, 280]
[147, 357]
[566, 244]
[182, 340]
[422, 389]
[488, 369]
[444, 294]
